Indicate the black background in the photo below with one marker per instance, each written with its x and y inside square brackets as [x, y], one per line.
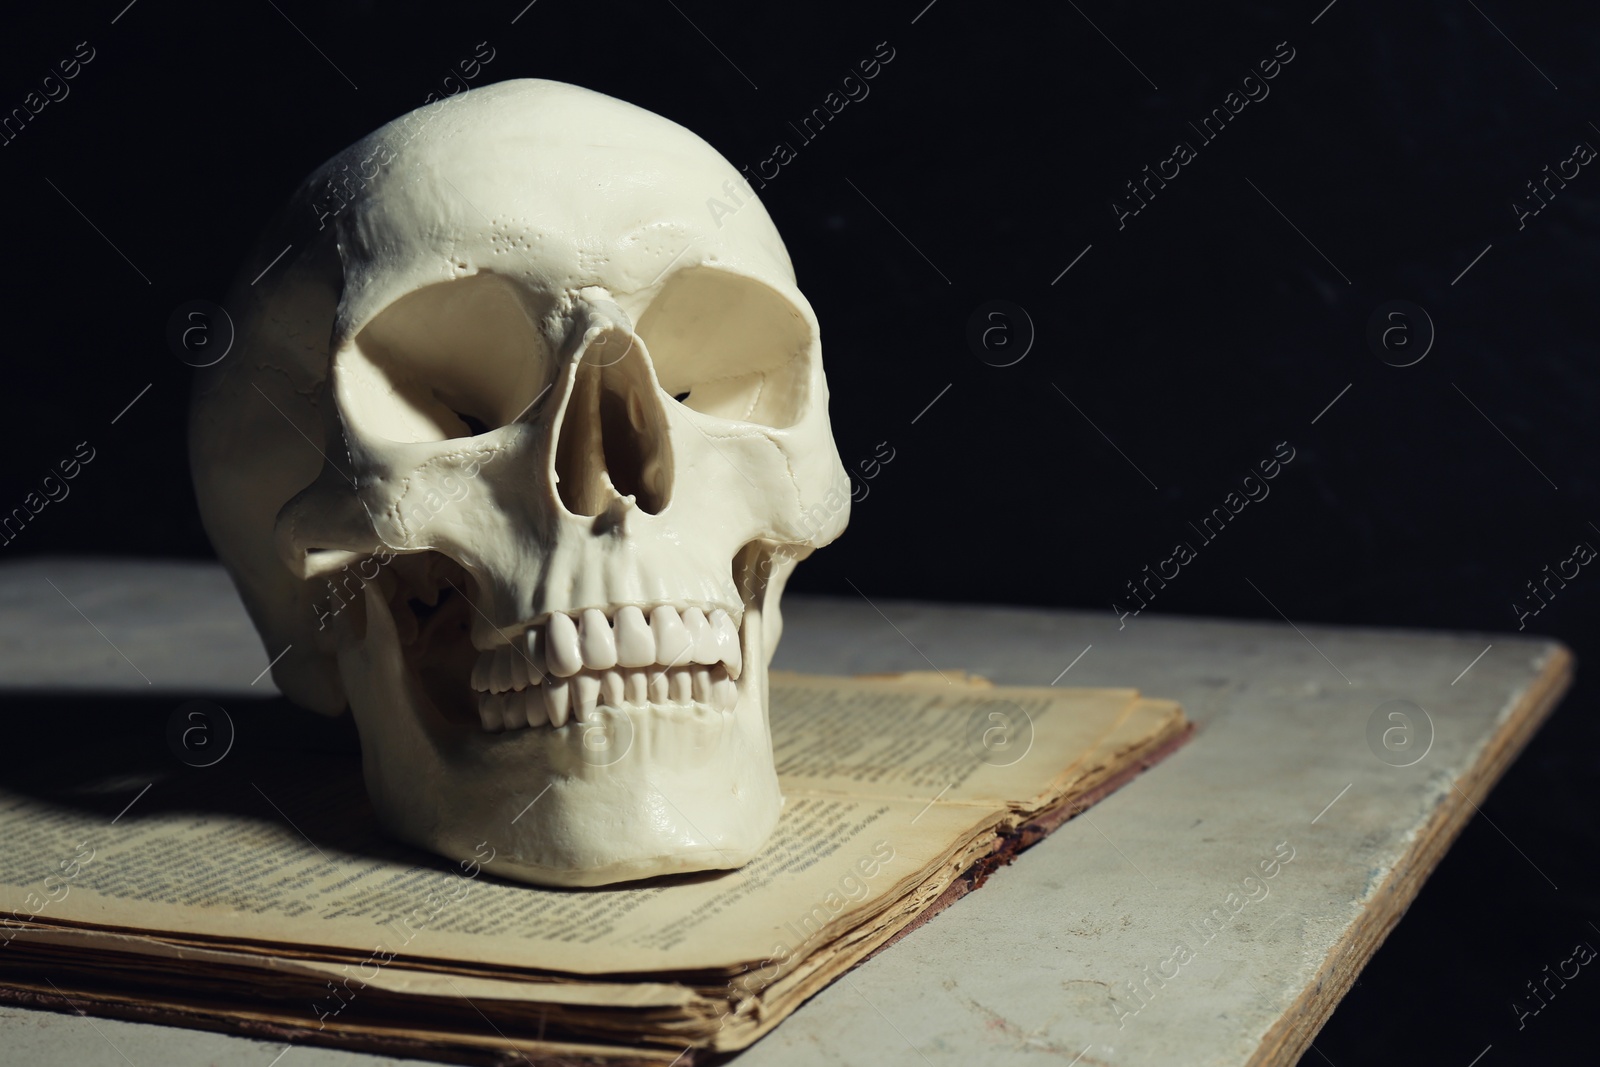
[1209, 328]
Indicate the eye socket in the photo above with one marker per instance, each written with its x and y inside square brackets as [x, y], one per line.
[451, 360]
[730, 346]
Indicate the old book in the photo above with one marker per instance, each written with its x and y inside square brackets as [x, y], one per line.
[258, 898]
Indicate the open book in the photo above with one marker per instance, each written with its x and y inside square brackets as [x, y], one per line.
[257, 897]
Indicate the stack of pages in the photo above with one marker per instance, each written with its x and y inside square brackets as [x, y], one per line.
[257, 897]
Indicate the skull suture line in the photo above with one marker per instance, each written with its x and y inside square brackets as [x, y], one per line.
[515, 457]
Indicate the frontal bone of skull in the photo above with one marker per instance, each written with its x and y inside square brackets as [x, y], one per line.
[611, 443]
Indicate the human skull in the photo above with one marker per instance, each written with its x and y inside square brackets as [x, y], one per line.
[514, 455]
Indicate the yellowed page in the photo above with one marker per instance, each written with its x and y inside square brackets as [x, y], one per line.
[264, 882]
[860, 828]
[921, 737]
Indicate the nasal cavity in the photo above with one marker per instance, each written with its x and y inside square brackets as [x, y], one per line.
[613, 440]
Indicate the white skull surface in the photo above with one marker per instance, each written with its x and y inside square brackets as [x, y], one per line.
[514, 455]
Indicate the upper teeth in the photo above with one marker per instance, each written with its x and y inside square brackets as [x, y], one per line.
[562, 647]
[596, 653]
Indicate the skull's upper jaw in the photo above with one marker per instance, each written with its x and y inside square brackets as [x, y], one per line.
[619, 791]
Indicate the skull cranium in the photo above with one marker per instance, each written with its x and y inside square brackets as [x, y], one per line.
[515, 456]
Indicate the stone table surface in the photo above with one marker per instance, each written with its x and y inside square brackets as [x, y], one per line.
[1073, 950]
